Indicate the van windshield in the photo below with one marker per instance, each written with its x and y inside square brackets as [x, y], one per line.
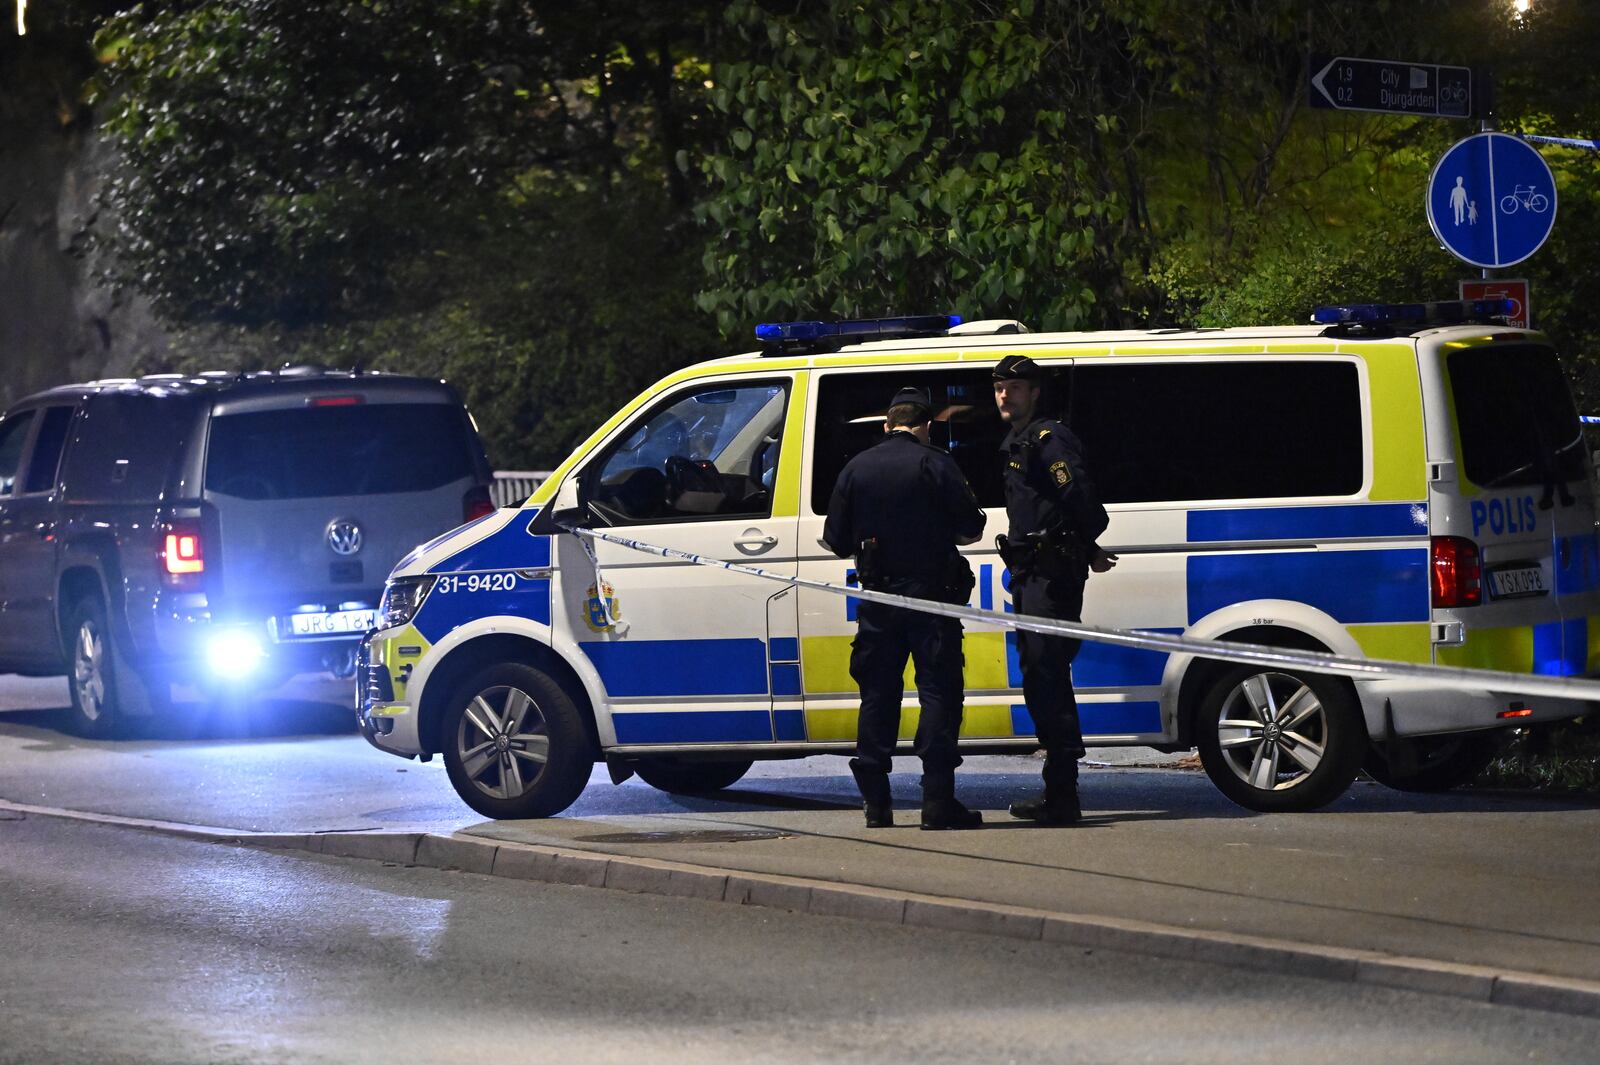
[1515, 416]
[372, 449]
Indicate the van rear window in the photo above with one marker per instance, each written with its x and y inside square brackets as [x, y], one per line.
[372, 449]
[1515, 416]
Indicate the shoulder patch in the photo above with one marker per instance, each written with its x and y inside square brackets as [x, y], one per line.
[1062, 475]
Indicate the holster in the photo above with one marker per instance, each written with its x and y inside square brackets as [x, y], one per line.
[959, 580]
[869, 567]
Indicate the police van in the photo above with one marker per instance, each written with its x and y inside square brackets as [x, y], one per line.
[1397, 482]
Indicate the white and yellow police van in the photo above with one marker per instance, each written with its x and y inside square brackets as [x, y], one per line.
[1380, 484]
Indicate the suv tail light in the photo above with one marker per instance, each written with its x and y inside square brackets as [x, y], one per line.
[476, 503]
[183, 555]
[1457, 572]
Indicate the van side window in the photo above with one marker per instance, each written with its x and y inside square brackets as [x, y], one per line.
[1168, 432]
[13, 435]
[47, 448]
[850, 410]
[708, 453]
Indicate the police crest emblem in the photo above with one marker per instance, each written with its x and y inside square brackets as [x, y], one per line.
[601, 610]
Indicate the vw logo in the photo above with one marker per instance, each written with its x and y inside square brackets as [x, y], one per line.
[344, 536]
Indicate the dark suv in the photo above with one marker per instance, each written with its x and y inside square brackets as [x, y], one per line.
[222, 528]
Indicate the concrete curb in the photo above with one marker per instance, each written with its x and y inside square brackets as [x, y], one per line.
[652, 876]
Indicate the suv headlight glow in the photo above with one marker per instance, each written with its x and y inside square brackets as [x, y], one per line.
[402, 597]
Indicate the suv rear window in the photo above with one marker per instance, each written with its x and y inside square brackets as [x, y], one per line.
[1515, 416]
[372, 449]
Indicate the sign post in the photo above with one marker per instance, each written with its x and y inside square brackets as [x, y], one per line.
[1391, 87]
[1491, 200]
[1502, 289]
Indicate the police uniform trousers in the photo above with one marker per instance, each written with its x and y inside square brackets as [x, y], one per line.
[1046, 663]
[885, 637]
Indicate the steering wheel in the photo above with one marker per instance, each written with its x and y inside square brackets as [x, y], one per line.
[690, 475]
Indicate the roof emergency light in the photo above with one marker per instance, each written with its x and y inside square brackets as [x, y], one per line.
[855, 329]
[1441, 311]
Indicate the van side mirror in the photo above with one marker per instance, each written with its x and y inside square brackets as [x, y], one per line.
[562, 512]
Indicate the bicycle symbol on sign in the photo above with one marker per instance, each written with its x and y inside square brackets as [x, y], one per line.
[1453, 94]
[1524, 196]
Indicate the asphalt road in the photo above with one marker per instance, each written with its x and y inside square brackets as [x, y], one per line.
[124, 947]
[1501, 880]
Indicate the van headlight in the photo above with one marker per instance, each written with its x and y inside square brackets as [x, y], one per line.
[402, 597]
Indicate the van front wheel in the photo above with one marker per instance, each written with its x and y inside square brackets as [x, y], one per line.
[515, 745]
[1272, 740]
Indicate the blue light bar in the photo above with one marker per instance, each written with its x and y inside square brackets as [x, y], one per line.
[1589, 419]
[1442, 311]
[857, 328]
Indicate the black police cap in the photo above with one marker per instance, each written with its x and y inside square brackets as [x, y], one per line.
[917, 397]
[1017, 367]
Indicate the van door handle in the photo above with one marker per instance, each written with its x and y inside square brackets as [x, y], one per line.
[752, 542]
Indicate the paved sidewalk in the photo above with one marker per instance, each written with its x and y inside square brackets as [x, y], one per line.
[1479, 879]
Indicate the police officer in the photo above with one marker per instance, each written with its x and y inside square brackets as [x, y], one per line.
[901, 507]
[1054, 518]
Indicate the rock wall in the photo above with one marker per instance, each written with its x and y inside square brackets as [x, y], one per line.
[58, 323]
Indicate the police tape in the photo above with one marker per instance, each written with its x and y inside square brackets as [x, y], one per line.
[1460, 678]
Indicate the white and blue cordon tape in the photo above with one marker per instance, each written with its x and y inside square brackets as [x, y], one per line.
[1249, 654]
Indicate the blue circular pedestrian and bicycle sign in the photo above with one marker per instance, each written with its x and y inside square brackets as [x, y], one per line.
[1492, 200]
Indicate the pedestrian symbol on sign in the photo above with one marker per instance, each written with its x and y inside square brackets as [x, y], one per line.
[1458, 200]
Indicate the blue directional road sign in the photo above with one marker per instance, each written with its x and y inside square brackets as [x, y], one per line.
[1491, 200]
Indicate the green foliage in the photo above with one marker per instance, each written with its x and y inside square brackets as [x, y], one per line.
[282, 157]
[895, 156]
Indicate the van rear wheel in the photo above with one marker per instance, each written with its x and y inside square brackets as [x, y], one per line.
[515, 745]
[691, 777]
[1273, 740]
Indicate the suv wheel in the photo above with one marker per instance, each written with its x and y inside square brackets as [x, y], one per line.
[691, 778]
[96, 711]
[515, 745]
[1273, 740]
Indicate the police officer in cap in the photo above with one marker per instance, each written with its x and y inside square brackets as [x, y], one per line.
[1054, 518]
[901, 507]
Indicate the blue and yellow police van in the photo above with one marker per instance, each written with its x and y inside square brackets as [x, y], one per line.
[1399, 482]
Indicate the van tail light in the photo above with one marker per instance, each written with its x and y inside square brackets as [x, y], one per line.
[476, 503]
[183, 554]
[1457, 572]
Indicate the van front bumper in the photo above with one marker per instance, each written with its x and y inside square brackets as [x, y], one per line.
[387, 723]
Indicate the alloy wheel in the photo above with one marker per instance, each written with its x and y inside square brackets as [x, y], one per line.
[504, 742]
[88, 670]
[1273, 731]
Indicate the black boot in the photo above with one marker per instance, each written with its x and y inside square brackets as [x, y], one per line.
[876, 799]
[1057, 806]
[940, 814]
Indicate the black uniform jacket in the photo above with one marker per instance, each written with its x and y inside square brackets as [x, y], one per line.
[912, 498]
[1047, 485]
